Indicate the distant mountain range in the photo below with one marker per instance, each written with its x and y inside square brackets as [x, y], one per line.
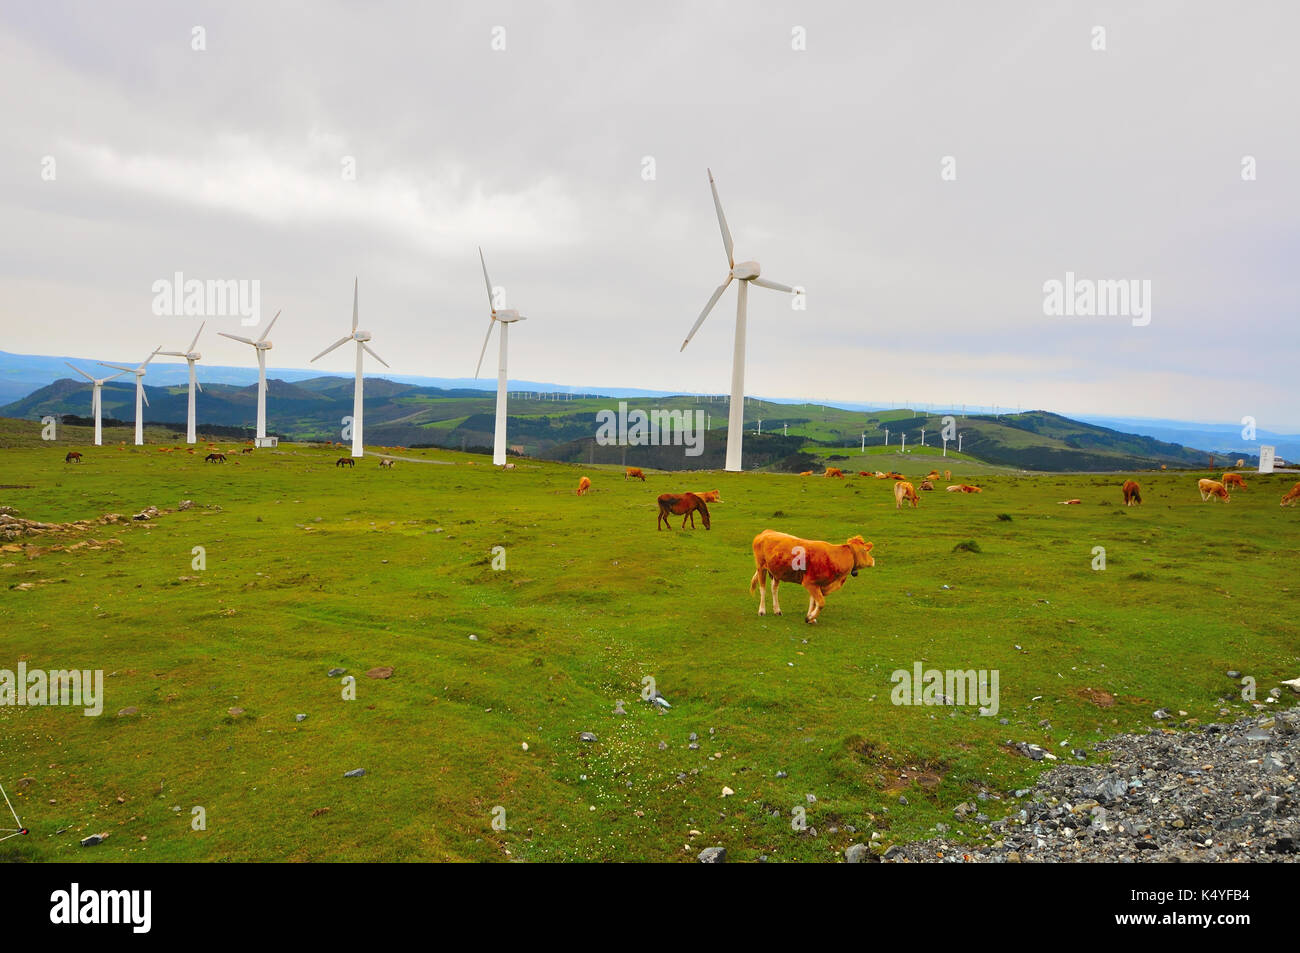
[458, 413]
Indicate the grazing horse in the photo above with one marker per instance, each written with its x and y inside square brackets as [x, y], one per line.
[386, 464]
[583, 486]
[246, 450]
[215, 458]
[683, 505]
[1132, 493]
[72, 457]
[1233, 479]
[345, 462]
[633, 473]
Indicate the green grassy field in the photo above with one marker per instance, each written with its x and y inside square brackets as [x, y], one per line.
[309, 567]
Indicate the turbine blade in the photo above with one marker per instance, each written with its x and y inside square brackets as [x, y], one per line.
[487, 281]
[339, 343]
[117, 367]
[705, 313]
[144, 396]
[354, 304]
[81, 372]
[195, 342]
[198, 384]
[369, 350]
[114, 376]
[149, 358]
[171, 353]
[722, 222]
[237, 337]
[271, 325]
[483, 352]
[764, 283]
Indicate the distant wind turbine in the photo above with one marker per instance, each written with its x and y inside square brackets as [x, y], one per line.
[262, 345]
[744, 272]
[505, 317]
[139, 393]
[96, 401]
[361, 337]
[190, 356]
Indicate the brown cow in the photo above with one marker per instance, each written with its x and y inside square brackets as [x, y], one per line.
[1211, 489]
[904, 491]
[932, 475]
[1233, 479]
[865, 473]
[806, 473]
[633, 473]
[818, 566]
[1132, 493]
[947, 475]
[583, 486]
[683, 505]
[72, 457]
[834, 472]
[964, 488]
[1292, 496]
[926, 485]
[709, 496]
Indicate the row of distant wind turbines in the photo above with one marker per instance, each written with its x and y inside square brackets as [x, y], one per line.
[745, 272]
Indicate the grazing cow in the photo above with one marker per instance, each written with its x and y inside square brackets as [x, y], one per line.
[1132, 493]
[818, 566]
[806, 473]
[709, 496]
[72, 457]
[947, 475]
[1211, 489]
[904, 491]
[834, 472]
[633, 473]
[215, 458]
[583, 486]
[386, 464]
[926, 485]
[507, 466]
[1292, 496]
[683, 505]
[1233, 479]
[345, 462]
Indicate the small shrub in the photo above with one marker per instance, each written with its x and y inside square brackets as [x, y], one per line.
[967, 546]
[1004, 517]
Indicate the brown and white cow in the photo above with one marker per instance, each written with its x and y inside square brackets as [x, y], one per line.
[818, 566]
[1292, 496]
[1132, 492]
[904, 491]
[633, 473]
[1233, 479]
[1211, 489]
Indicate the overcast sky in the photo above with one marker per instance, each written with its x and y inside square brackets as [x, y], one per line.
[228, 163]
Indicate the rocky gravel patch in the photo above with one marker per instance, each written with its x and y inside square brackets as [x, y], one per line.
[1223, 793]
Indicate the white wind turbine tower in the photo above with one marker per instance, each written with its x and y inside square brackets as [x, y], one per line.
[190, 356]
[262, 345]
[745, 272]
[139, 393]
[505, 317]
[361, 337]
[96, 402]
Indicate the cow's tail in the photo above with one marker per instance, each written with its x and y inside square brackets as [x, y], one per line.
[754, 583]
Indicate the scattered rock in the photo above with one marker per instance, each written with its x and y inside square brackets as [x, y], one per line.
[299, 717]
[713, 855]
[336, 672]
[94, 839]
[355, 773]
[587, 736]
[856, 854]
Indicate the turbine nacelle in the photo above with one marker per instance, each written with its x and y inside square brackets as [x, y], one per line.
[360, 336]
[508, 316]
[745, 270]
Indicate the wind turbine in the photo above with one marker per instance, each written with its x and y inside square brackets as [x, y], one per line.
[262, 345]
[96, 402]
[139, 393]
[745, 272]
[505, 317]
[190, 356]
[361, 337]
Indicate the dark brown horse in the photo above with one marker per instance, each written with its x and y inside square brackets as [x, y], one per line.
[215, 458]
[72, 457]
[683, 505]
[345, 462]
